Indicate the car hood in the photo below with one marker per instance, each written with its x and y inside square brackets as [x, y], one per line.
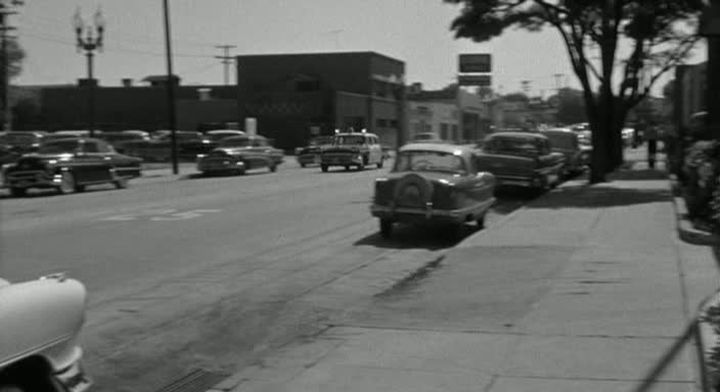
[38, 316]
[341, 148]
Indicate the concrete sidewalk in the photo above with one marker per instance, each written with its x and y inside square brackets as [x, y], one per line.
[623, 289]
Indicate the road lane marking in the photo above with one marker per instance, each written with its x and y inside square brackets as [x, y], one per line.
[159, 215]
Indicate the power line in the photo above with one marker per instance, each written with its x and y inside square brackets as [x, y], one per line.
[226, 60]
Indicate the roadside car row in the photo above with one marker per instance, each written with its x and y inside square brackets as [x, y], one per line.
[430, 183]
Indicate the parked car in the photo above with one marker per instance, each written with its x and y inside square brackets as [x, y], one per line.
[216, 135]
[189, 143]
[567, 142]
[51, 137]
[144, 134]
[521, 159]
[237, 154]
[40, 324]
[23, 141]
[70, 165]
[433, 184]
[119, 139]
[357, 149]
[310, 154]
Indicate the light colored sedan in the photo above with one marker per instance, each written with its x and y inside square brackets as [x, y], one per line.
[40, 323]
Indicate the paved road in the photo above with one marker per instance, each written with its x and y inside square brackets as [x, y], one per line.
[211, 272]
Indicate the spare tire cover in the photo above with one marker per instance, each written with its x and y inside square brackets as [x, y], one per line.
[413, 190]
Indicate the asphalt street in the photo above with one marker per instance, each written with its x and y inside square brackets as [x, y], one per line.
[212, 272]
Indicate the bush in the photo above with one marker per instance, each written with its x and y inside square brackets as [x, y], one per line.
[700, 173]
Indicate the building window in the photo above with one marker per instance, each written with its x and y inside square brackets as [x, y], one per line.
[423, 110]
[381, 123]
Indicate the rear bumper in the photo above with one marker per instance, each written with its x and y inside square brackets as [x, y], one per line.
[428, 214]
[341, 159]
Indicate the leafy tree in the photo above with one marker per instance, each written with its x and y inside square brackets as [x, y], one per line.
[16, 54]
[637, 41]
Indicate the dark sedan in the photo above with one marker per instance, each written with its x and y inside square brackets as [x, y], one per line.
[70, 165]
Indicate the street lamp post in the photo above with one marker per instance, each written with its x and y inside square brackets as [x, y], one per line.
[89, 42]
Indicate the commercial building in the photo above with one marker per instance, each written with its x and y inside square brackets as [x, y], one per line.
[296, 96]
[439, 112]
[291, 97]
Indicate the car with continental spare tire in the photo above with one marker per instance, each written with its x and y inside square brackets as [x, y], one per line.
[352, 149]
[435, 184]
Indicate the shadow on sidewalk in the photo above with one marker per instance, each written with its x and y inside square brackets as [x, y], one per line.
[618, 191]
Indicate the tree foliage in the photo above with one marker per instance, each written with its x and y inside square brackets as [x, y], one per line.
[636, 41]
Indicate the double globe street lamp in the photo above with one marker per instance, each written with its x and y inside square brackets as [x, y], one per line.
[89, 39]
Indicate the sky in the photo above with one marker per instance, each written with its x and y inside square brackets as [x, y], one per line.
[414, 31]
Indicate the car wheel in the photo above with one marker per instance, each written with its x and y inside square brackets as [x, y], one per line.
[481, 221]
[18, 192]
[386, 227]
[67, 183]
[381, 163]
[361, 166]
[303, 164]
[273, 168]
[347, 167]
[324, 168]
[120, 182]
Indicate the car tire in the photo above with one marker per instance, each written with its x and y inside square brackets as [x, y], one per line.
[347, 167]
[481, 221]
[67, 183]
[361, 166]
[386, 227]
[324, 168]
[120, 182]
[273, 168]
[18, 192]
[303, 164]
[381, 163]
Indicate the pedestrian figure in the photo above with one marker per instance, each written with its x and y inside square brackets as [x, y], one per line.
[651, 136]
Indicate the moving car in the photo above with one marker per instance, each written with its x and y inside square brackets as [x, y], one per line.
[236, 154]
[70, 165]
[40, 323]
[436, 184]
[357, 149]
[521, 159]
[310, 154]
[567, 142]
[216, 135]
[23, 141]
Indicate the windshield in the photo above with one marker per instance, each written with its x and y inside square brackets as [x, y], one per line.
[510, 145]
[354, 140]
[60, 147]
[235, 142]
[429, 161]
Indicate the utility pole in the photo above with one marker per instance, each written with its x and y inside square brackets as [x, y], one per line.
[170, 90]
[226, 60]
[525, 86]
[5, 11]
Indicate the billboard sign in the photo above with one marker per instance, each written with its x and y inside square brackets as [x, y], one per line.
[474, 80]
[479, 62]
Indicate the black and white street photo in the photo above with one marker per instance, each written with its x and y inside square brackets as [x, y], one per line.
[376, 195]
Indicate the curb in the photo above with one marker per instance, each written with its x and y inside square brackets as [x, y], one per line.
[685, 228]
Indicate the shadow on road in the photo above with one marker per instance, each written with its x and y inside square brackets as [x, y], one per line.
[418, 237]
[611, 194]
